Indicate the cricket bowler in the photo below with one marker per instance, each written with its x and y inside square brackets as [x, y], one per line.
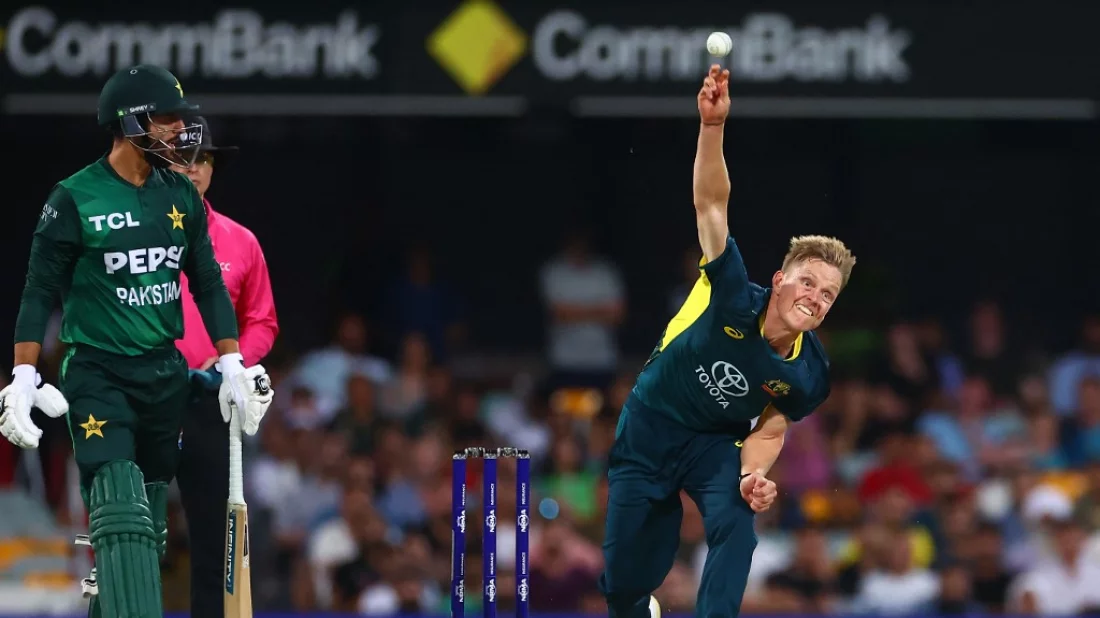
[203, 476]
[708, 413]
[110, 244]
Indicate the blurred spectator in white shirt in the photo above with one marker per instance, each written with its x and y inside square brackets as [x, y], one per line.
[1064, 583]
[899, 588]
[326, 371]
[586, 301]
[334, 543]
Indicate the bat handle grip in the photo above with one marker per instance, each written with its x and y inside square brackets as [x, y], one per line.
[236, 474]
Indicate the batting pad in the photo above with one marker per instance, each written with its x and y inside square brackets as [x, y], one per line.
[122, 535]
[158, 507]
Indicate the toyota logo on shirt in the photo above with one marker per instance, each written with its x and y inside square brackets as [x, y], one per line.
[722, 381]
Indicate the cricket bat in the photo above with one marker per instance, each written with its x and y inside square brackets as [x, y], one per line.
[238, 578]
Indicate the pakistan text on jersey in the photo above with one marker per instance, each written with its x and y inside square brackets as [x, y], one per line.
[167, 292]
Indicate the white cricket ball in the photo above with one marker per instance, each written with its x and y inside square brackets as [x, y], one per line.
[719, 44]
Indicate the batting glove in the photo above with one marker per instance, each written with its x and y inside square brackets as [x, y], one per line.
[16, 401]
[246, 389]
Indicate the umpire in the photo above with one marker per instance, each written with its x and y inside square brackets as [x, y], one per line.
[203, 476]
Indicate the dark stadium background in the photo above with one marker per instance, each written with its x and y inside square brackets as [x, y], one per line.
[969, 191]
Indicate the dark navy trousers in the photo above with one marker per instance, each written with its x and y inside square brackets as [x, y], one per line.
[652, 460]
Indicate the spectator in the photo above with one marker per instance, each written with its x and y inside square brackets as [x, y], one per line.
[812, 575]
[934, 346]
[899, 587]
[407, 390]
[906, 369]
[1046, 444]
[466, 427]
[895, 470]
[1064, 583]
[333, 544]
[358, 421]
[1087, 510]
[326, 371]
[955, 592]
[274, 474]
[806, 464]
[560, 570]
[989, 353]
[567, 480]
[990, 579]
[1073, 367]
[317, 492]
[977, 435]
[420, 303]
[586, 301]
[402, 591]
[438, 405]
[403, 501]
[1081, 432]
[303, 410]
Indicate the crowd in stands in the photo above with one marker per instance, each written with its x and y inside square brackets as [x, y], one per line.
[946, 473]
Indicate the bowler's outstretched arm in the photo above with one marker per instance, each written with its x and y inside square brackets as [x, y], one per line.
[711, 182]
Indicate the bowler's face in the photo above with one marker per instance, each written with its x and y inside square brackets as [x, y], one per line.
[806, 293]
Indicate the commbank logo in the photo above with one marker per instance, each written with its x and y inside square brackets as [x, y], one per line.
[233, 43]
[477, 45]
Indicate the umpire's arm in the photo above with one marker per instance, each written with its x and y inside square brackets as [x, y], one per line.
[256, 307]
[207, 286]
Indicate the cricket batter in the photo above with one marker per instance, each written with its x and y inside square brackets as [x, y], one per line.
[111, 243]
[709, 411]
[204, 460]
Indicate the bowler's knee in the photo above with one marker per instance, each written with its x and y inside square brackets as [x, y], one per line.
[635, 567]
[731, 524]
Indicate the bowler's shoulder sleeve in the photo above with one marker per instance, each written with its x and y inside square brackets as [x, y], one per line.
[728, 278]
[799, 405]
[804, 400]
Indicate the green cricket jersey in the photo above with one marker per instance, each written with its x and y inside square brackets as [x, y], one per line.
[113, 252]
[713, 371]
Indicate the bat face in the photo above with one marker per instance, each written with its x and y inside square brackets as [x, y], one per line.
[238, 581]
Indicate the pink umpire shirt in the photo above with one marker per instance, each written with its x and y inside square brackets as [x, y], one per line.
[245, 272]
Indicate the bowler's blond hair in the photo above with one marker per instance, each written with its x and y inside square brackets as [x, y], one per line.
[824, 248]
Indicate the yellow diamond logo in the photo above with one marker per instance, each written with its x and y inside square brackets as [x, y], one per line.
[477, 44]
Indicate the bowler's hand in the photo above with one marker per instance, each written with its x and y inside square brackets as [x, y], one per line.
[714, 96]
[758, 491]
[208, 363]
